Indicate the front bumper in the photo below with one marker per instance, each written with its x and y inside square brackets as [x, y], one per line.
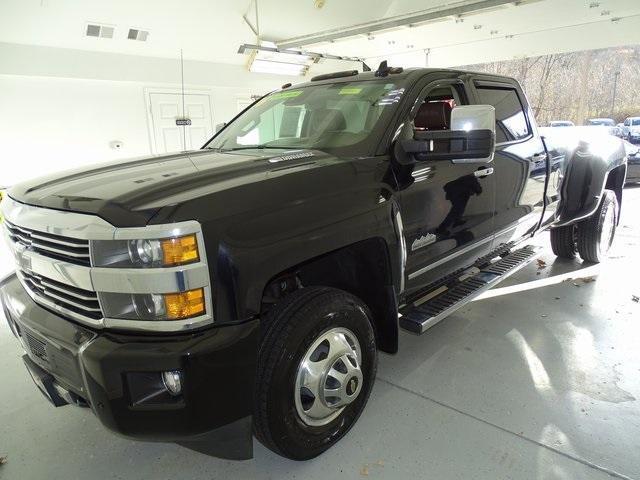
[114, 373]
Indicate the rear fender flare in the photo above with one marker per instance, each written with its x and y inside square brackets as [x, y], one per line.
[585, 177]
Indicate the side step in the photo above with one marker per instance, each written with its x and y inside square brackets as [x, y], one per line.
[419, 317]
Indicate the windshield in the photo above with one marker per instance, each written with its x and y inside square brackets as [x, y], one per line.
[341, 118]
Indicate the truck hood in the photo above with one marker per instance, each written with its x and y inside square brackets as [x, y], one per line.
[130, 192]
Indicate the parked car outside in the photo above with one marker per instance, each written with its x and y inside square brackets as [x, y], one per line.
[633, 163]
[562, 123]
[616, 131]
[631, 129]
[605, 122]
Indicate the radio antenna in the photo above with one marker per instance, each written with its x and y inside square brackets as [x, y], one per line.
[184, 126]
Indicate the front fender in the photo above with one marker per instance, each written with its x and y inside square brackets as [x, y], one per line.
[271, 259]
[585, 177]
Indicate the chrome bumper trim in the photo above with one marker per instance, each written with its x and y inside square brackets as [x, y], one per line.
[150, 280]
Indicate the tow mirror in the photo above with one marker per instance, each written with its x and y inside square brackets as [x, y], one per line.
[470, 140]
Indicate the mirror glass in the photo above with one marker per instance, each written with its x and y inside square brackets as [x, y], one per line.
[473, 117]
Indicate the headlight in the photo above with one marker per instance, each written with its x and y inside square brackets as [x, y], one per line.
[145, 253]
[153, 306]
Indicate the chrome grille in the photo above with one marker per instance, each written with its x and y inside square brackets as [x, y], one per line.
[68, 249]
[77, 300]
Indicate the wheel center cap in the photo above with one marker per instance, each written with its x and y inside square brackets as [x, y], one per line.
[352, 386]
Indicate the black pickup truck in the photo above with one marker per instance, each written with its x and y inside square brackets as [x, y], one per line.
[246, 288]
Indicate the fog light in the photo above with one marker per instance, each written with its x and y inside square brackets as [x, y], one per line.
[172, 381]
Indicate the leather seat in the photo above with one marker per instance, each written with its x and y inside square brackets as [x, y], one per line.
[433, 116]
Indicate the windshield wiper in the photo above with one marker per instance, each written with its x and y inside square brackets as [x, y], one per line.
[256, 147]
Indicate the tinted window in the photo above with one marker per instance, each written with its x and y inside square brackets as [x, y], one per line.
[511, 122]
[635, 122]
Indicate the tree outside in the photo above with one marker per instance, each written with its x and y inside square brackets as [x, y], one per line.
[577, 86]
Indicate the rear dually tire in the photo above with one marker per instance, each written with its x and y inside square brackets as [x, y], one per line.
[563, 241]
[595, 234]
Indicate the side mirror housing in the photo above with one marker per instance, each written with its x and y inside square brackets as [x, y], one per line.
[470, 140]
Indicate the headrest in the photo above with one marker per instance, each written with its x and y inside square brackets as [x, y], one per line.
[433, 116]
[327, 119]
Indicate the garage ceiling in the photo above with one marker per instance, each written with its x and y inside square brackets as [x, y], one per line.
[511, 29]
[212, 30]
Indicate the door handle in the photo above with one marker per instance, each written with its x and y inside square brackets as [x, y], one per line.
[539, 157]
[483, 172]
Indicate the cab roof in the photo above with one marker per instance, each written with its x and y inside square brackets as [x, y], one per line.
[405, 75]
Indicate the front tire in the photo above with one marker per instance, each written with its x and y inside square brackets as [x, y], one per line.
[595, 234]
[316, 366]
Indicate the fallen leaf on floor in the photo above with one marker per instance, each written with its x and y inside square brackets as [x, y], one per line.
[576, 284]
[543, 315]
[364, 471]
[380, 463]
[587, 279]
[557, 298]
[541, 263]
[635, 298]
[3, 460]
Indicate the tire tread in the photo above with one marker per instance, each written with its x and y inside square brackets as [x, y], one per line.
[588, 234]
[563, 241]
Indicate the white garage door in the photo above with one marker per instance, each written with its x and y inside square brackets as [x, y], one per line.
[166, 114]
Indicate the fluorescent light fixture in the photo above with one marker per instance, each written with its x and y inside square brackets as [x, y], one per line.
[268, 58]
[259, 65]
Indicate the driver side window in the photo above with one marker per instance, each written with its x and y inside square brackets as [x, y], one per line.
[434, 112]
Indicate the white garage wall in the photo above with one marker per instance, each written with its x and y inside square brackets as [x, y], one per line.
[52, 124]
[60, 109]
[49, 124]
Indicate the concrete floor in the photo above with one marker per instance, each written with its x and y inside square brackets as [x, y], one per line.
[538, 380]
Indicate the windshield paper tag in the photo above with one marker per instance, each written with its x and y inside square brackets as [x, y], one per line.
[350, 91]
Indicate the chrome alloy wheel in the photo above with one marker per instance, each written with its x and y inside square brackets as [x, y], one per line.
[329, 377]
[608, 230]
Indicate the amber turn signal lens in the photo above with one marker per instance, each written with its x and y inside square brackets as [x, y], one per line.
[177, 251]
[184, 304]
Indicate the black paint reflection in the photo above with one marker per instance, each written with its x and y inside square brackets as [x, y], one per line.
[458, 192]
